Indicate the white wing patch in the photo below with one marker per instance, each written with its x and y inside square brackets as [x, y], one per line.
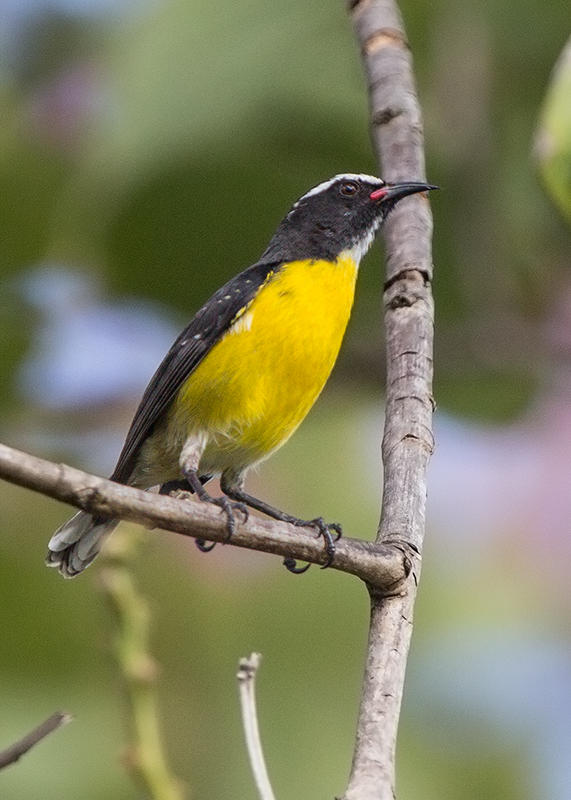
[243, 323]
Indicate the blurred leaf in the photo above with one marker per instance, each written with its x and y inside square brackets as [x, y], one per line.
[553, 138]
[484, 394]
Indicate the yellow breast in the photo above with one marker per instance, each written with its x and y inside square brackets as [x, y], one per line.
[259, 381]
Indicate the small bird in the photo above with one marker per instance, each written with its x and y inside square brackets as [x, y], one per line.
[248, 367]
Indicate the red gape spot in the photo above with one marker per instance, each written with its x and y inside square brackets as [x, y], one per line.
[378, 194]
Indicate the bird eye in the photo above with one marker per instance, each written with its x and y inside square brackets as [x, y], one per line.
[348, 188]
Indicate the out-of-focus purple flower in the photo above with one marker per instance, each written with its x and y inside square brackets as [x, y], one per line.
[87, 351]
[60, 111]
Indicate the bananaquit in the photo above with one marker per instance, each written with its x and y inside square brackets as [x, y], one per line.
[248, 367]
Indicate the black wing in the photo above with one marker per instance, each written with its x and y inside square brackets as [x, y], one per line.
[195, 341]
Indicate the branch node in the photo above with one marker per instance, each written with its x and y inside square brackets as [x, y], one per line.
[409, 554]
[357, 5]
[386, 115]
[385, 37]
[402, 300]
[409, 275]
[92, 500]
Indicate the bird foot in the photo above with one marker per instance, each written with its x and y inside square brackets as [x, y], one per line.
[324, 530]
[291, 565]
[229, 508]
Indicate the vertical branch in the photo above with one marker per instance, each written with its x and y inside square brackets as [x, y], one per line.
[407, 439]
[145, 756]
[247, 671]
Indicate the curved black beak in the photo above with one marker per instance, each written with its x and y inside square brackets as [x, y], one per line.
[392, 192]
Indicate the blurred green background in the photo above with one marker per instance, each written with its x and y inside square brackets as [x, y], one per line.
[147, 151]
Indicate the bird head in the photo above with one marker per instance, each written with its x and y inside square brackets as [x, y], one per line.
[343, 213]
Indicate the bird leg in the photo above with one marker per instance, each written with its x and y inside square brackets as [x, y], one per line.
[234, 490]
[189, 461]
[181, 490]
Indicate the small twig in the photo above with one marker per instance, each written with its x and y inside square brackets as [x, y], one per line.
[13, 753]
[247, 685]
[145, 756]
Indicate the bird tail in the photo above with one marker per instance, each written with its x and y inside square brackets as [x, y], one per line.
[73, 547]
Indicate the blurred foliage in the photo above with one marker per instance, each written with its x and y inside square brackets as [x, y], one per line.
[158, 144]
[162, 147]
[553, 141]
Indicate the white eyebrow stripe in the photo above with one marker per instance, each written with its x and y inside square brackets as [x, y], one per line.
[345, 176]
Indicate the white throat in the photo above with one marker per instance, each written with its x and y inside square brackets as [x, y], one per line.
[359, 248]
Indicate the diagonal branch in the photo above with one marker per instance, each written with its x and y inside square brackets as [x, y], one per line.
[384, 566]
[407, 440]
[13, 753]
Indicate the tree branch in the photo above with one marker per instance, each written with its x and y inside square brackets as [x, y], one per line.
[407, 440]
[383, 566]
[13, 753]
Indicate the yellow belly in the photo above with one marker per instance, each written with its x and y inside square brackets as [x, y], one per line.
[259, 381]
